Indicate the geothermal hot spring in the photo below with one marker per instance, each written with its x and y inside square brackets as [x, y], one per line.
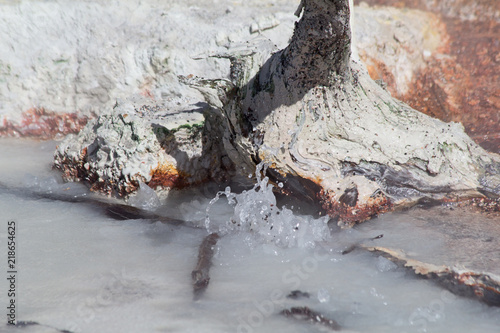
[79, 270]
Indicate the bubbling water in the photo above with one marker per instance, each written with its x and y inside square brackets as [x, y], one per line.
[256, 211]
[145, 198]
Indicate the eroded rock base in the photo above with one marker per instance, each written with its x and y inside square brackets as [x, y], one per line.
[143, 142]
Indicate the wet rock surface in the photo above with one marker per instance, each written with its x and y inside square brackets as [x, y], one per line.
[461, 281]
[462, 252]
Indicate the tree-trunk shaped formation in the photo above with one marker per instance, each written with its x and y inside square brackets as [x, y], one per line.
[326, 129]
[313, 115]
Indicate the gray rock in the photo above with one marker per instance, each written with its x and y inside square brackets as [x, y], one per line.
[313, 114]
[142, 142]
[309, 111]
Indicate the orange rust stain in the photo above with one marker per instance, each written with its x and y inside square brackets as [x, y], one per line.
[74, 169]
[379, 71]
[473, 279]
[42, 124]
[361, 212]
[167, 176]
[460, 83]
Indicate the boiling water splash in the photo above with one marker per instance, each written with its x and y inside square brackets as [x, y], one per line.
[255, 211]
[145, 198]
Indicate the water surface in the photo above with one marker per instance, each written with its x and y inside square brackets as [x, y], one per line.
[83, 271]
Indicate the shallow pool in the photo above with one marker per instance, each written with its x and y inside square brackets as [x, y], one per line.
[78, 269]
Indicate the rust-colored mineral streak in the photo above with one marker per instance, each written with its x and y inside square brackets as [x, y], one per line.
[42, 124]
[482, 286]
[353, 213]
[166, 176]
[461, 81]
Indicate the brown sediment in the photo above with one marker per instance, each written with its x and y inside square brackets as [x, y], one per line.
[347, 208]
[200, 274]
[488, 205]
[350, 213]
[307, 315]
[482, 286]
[464, 87]
[460, 81]
[42, 124]
[164, 176]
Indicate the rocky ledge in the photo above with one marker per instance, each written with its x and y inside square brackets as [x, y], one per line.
[309, 111]
[142, 142]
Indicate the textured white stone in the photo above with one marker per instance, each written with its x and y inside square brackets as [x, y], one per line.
[329, 122]
[81, 56]
[124, 147]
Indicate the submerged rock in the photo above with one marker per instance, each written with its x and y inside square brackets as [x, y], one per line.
[310, 316]
[453, 245]
[483, 286]
[201, 273]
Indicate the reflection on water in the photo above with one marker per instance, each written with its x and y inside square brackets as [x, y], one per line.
[83, 271]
